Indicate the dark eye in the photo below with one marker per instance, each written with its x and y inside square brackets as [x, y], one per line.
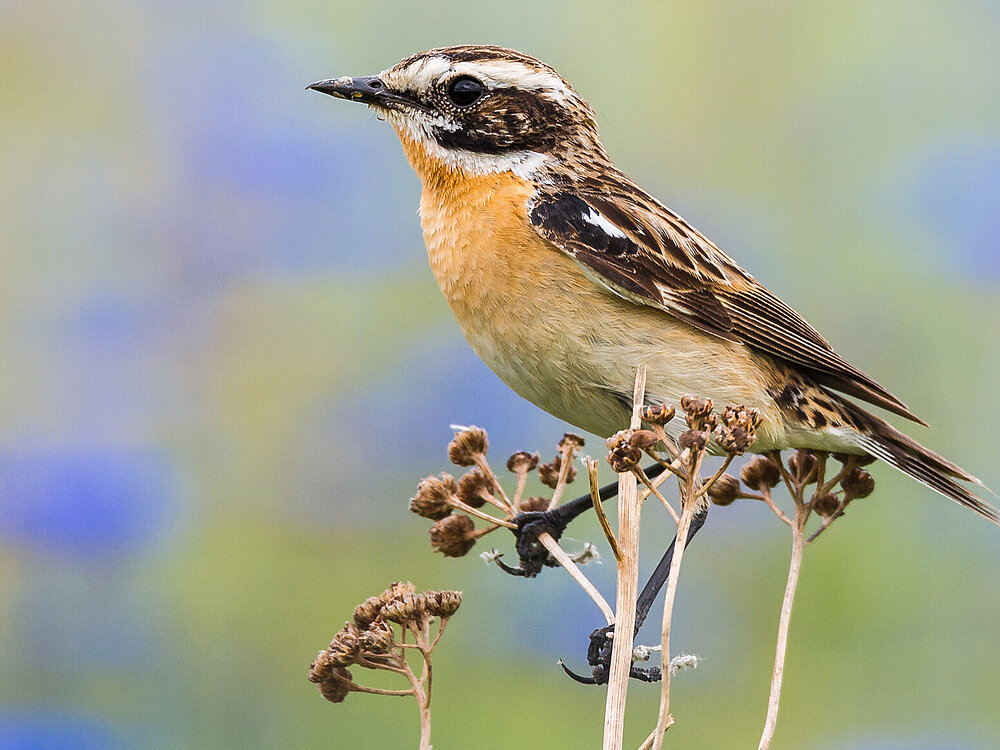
[465, 91]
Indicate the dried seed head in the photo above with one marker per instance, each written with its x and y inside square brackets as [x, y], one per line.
[643, 439]
[802, 465]
[472, 486]
[433, 494]
[696, 440]
[698, 413]
[522, 461]
[860, 459]
[858, 484]
[321, 668]
[532, 504]
[658, 414]
[467, 445]
[826, 505]
[571, 441]
[443, 603]
[453, 536]
[760, 472]
[549, 473]
[378, 638]
[366, 612]
[343, 651]
[408, 607]
[396, 590]
[622, 454]
[724, 490]
[738, 429]
[334, 683]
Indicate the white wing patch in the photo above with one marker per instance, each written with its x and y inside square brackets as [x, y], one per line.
[600, 221]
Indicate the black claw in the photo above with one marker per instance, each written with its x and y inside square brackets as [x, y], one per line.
[600, 646]
[578, 678]
[520, 572]
[532, 554]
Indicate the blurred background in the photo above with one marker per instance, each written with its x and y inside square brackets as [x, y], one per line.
[224, 365]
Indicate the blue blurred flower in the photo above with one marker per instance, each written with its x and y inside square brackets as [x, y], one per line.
[52, 729]
[84, 502]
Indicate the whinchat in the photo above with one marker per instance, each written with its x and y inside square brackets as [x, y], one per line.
[564, 275]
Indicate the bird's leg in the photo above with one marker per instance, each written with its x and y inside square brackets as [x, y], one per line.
[532, 555]
[599, 650]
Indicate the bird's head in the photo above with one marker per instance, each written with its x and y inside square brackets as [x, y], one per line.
[479, 110]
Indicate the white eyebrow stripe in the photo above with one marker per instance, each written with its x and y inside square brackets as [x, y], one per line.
[600, 220]
[510, 73]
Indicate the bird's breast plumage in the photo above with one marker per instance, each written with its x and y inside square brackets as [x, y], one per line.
[552, 334]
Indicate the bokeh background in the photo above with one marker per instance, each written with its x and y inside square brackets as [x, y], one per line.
[224, 364]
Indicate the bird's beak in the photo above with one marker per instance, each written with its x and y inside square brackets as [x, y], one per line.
[365, 89]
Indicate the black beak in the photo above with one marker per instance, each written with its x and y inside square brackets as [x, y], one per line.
[366, 89]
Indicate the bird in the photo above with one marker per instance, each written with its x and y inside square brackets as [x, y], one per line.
[564, 275]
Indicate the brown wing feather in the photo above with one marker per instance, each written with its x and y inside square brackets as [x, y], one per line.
[641, 250]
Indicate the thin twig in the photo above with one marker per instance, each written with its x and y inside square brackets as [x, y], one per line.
[574, 570]
[795, 564]
[599, 509]
[629, 510]
[688, 504]
[707, 485]
[652, 489]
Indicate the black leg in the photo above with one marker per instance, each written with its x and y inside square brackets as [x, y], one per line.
[599, 650]
[532, 554]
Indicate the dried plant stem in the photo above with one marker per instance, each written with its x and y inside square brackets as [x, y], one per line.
[599, 510]
[629, 508]
[795, 564]
[574, 570]
[423, 703]
[688, 503]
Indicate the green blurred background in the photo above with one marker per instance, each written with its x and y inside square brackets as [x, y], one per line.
[224, 365]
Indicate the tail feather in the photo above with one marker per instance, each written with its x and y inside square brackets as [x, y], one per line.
[884, 441]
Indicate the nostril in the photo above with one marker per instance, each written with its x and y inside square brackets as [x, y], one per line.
[375, 83]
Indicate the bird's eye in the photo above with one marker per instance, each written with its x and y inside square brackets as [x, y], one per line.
[465, 91]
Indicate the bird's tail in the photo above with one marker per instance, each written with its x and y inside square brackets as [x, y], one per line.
[884, 441]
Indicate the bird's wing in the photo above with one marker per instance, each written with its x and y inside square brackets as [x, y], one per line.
[640, 250]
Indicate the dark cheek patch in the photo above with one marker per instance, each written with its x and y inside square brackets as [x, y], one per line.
[508, 119]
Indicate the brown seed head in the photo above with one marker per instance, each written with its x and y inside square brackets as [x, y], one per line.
[334, 683]
[366, 612]
[409, 607]
[826, 505]
[724, 490]
[760, 472]
[698, 413]
[802, 465]
[696, 440]
[738, 429]
[378, 638]
[859, 459]
[467, 445]
[472, 486]
[858, 484]
[571, 441]
[534, 504]
[433, 494]
[343, 651]
[396, 591]
[622, 454]
[658, 414]
[549, 473]
[453, 536]
[522, 461]
[443, 603]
